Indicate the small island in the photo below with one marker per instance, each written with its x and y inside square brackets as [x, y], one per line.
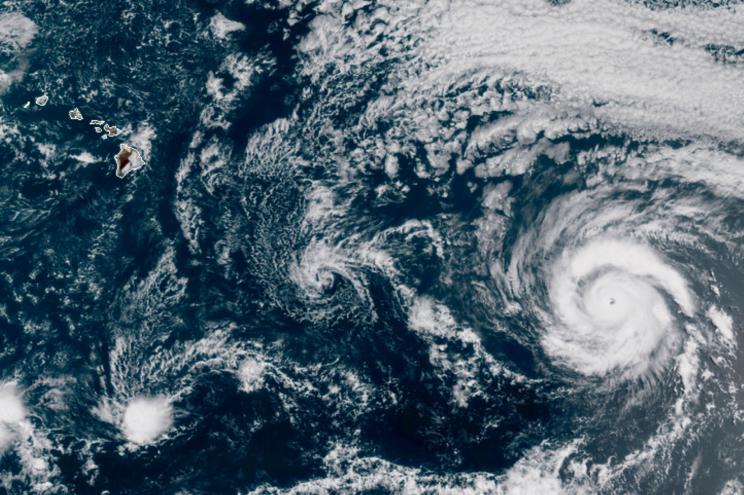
[111, 130]
[75, 114]
[128, 159]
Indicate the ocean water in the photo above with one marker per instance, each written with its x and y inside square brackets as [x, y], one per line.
[371, 247]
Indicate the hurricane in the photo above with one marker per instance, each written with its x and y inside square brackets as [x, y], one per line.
[375, 246]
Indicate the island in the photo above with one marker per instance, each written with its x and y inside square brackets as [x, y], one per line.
[128, 159]
[111, 130]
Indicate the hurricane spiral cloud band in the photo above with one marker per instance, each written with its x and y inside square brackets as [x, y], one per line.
[371, 246]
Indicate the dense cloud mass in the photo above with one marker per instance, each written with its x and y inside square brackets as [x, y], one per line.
[371, 246]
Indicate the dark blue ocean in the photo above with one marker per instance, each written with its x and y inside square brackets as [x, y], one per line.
[371, 247]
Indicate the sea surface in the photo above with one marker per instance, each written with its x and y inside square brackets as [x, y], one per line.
[371, 247]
